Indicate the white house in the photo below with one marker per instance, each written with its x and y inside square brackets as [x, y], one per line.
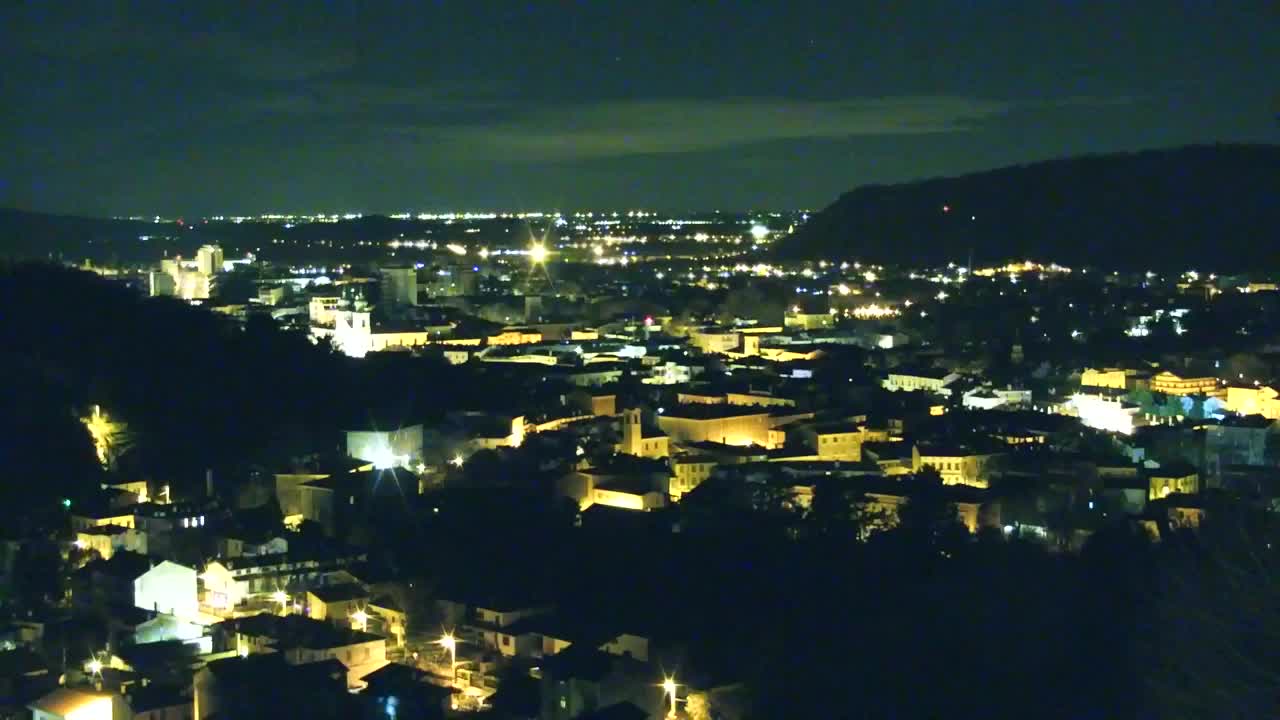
[167, 588]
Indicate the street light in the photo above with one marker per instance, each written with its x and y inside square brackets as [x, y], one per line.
[361, 618]
[458, 460]
[450, 643]
[537, 253]
[669, 688]
[94, 667]
[282, 599]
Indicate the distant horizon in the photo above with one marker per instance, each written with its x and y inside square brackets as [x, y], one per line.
[500, 211]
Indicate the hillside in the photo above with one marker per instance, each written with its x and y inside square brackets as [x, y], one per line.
[1215, 207]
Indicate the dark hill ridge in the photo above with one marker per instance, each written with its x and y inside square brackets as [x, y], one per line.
[1215, 207]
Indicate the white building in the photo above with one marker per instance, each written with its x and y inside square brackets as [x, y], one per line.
[928, 380]
[386, 448]
[167, 588]
[1103, 413]
[209, 259]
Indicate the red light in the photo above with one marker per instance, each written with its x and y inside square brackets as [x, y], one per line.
[648, 321]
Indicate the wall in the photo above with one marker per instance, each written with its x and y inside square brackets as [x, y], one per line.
[168, 588]
[734, 430]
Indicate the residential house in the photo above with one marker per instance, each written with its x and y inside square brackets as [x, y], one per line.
[302, 640]
[580, 680]
[105, 540]
[336, 603]
[132, 580]
[959, 465]
[266, 686]
[78, 704]
[1175, 478]
[229, 582]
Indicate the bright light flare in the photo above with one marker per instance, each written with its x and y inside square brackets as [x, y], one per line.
[538, 253]
[448, 642]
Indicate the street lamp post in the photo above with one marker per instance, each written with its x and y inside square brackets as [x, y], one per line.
[282, 599]
[450, 643]
[669, 688]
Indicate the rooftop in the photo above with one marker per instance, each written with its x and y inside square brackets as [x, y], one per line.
[344, 592]
[298, 631]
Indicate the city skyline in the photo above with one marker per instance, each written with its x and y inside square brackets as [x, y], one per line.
[199, 110]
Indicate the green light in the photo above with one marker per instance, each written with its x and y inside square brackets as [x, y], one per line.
[66, 502]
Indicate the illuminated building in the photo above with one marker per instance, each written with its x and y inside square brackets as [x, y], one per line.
[797, 320]
[1261, 400]
[726, 424]
[79, 704]
[958, 466]
[714, 340]
[303, 641]
[1105, 413]
[1175, 479]
[106, 540]
[638, 443]
[209, 260]
[161, 284]
[386, 448]
[229, 582]
[322, 309]
[353, 334]
[688, 472]
[1173, 384]
[130, 579]
[834, 440]
[920, 379]
[1111, 378]
[515, 336]
[336, 603]
[626, 482]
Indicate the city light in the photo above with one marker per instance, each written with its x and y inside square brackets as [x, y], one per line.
[874, 311]
[450, 643]
[360, 621]
[759, 232]
[669, 687]
[538, 253]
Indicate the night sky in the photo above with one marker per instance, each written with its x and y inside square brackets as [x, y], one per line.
[197, 107]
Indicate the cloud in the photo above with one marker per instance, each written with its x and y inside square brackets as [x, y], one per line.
[647, 127]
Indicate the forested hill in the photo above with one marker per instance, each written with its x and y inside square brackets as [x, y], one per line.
[1215, 207]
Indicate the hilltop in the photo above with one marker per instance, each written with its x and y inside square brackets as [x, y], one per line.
[1215, 207]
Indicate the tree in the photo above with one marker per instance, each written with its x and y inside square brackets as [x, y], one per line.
[1216, 594]
[840, 512]
[928, 519]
